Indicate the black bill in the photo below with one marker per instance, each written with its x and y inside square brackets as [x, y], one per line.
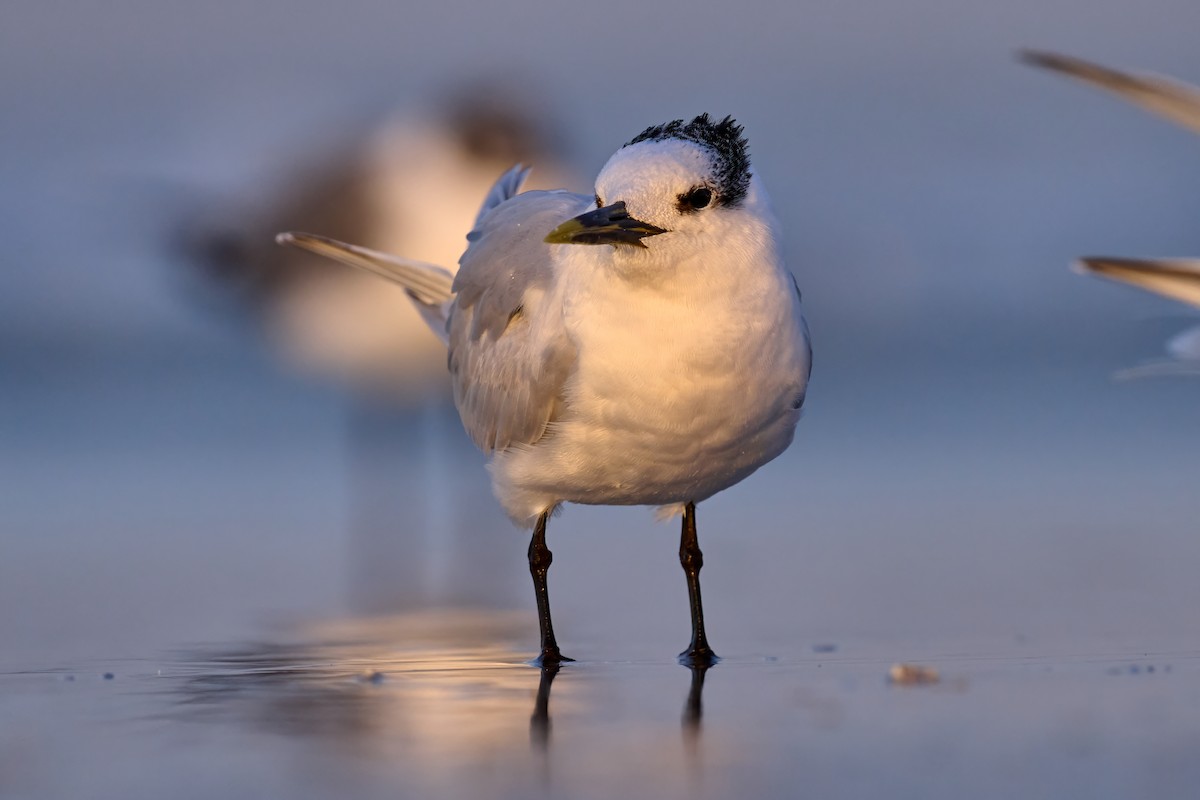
[609, 225]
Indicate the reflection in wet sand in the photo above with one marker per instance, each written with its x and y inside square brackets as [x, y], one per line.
[411, 675]
[539, 721]
[421, 696]
[693, 711]
[443, 705]
[693, 716]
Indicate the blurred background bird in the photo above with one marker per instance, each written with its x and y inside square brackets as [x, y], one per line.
[1176, 278]
[412, 184]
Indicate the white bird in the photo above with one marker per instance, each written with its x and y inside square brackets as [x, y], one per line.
[656, 370]
[1176, 278]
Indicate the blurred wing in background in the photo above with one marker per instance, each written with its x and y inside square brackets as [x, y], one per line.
[1175, 100]
[1178, 279]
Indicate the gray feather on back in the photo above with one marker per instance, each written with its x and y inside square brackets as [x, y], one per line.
[507, 187]
[509, 357]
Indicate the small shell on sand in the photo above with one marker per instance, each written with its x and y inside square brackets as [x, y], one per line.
[912, 675]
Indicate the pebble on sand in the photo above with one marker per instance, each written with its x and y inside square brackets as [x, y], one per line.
[912, 675]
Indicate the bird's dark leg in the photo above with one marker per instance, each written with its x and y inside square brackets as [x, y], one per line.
[699, 653]
[540, 559]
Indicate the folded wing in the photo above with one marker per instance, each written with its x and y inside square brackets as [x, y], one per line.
[510, 356]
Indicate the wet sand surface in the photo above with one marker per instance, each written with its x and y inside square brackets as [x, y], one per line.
[209, 558]
[354, 715]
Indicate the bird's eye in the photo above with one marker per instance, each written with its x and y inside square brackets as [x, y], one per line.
[598, 203]
[696, 199]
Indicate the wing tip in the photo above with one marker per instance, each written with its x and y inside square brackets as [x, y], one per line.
[1038, 58]
[307, 241]
[1058, 62]
[1102, 265]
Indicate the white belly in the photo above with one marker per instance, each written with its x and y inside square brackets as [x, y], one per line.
[676, 397]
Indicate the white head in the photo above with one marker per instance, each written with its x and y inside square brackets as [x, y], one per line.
[673, 189]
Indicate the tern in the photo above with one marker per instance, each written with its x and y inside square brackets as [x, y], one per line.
[642, 346]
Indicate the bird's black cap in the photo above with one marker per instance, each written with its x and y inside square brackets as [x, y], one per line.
[724, 139]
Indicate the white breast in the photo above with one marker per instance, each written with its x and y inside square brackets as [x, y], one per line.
[682, 389]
